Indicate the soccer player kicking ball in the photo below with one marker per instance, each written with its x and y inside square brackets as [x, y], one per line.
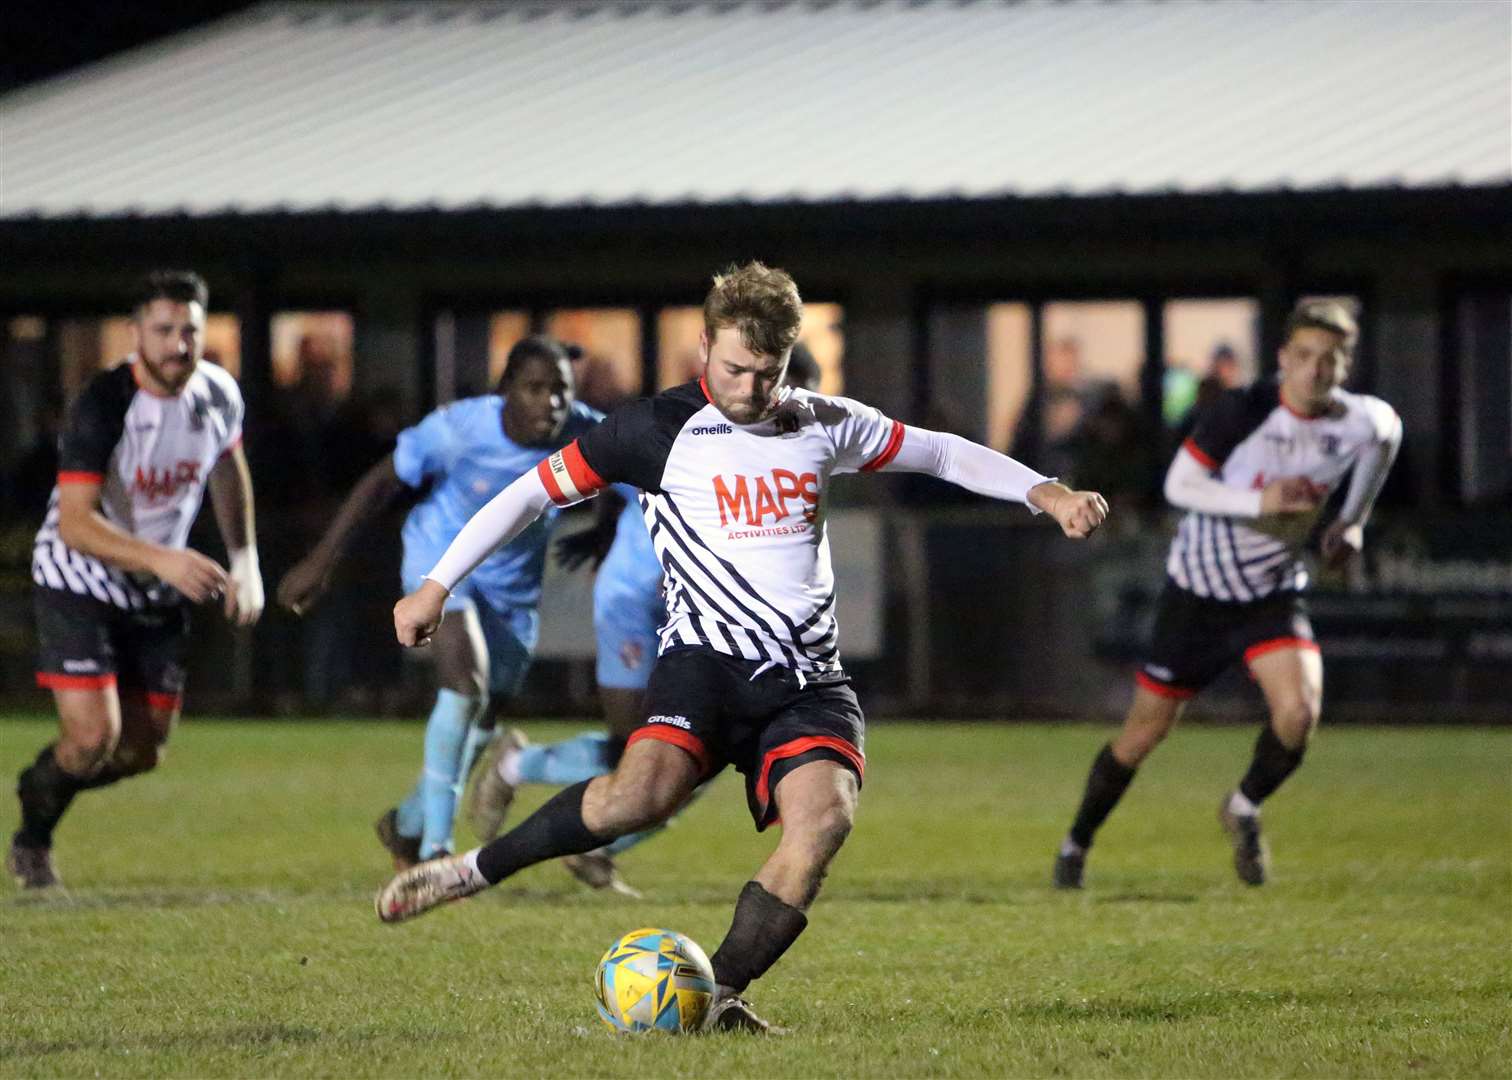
[114, 579]
[734, 468]
[628, 612]
[1253, 478]
[459, 456]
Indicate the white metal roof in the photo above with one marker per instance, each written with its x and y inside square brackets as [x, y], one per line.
[397, 106]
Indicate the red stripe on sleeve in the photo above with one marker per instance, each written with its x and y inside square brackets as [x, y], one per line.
[1202, 456]
[890, 451]
[234, 444]
[78, 476]
[553, 489]
[584, 478]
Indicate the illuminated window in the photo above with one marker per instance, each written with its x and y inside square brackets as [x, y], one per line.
[1010, 375]
[678, 330]
[610, 370]
[313, 350]
[677, 359]
[506, 329]
[1210, 345]
[1091, 354]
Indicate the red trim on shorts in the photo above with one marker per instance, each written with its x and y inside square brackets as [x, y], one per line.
[890, 451]
[164, 702]
[586, 480]
[1160, 689]
[49, 680]
[1203, 457]
[80, 476]
[683, 740]
[802, 745]
[703, 384]
[1259, 649]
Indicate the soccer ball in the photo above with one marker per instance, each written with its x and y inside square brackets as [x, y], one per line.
[654, 980]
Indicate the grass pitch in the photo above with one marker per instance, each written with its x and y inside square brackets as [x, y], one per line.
[219, 920]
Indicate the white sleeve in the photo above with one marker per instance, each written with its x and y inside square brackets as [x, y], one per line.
[1190, 486]
[965, 463]
[1370, 472]
[503, 518]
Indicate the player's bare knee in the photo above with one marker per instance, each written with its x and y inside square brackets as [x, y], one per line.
[1294, 723]
[87, 752]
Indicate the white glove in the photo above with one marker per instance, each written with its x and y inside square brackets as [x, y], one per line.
[244, 603]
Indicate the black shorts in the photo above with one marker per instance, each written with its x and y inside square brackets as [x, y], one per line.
[84, 644]
[762, 718]
[1196, 638]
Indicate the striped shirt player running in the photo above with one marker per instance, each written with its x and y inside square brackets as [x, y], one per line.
[732, 471]
[114, 579]
[1253, 479]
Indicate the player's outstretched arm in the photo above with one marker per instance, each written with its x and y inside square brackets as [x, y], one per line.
[502, 518]
[231, 497]
[89, 532]
[308, 579]
[985, 471]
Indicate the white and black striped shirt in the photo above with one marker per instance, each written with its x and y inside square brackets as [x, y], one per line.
[735, 513]
[1247, 438]
[151, 456]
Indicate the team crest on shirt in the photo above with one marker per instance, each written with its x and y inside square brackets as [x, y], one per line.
[1330, 445]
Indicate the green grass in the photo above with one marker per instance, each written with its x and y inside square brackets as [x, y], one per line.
[219, 921]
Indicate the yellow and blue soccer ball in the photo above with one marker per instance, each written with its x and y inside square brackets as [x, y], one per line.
[654, 980]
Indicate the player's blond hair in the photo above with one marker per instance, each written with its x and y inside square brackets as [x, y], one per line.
[759, 301]
[1323, 313]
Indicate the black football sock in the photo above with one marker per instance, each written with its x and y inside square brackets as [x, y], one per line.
[761, 931]
[1272, 764]
[45, 791]
[1106, 783]
[556, 829]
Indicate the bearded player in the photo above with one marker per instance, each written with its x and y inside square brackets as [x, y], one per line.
[733, 468]
[114, 578]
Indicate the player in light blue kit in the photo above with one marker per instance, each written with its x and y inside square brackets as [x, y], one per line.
[628, 612]
[455, 460]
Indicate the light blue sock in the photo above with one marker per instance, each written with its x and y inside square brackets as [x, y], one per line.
[629, 840]
[445, 737]
[568, 762]
[478, 740]
[411, 818]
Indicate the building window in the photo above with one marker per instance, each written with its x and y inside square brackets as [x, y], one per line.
[1210, 345]
[506, 329]
[1483, 330]
[313, 350]
[610, 370]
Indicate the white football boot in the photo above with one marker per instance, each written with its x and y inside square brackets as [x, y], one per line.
[428, 885]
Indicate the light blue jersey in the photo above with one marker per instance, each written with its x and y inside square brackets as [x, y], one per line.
[627, 601]
[461, 449]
